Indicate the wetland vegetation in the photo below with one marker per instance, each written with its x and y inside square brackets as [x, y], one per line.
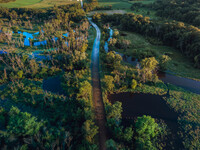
[126, 77]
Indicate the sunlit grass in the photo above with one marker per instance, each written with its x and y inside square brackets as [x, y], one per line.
[36, 3]
[20, 3]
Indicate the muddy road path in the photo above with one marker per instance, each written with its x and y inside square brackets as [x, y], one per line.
[97, 95]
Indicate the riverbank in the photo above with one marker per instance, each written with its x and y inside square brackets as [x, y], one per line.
[176, 99]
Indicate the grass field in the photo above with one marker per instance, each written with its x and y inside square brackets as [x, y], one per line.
[142, 1]
[179, 64]
[116, 4]
[36, 3]
[125, 6]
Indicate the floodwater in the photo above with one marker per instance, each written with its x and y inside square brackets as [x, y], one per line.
[135, 105]
[53, 85]
[185, 83]
[106, 43]
[36, 54]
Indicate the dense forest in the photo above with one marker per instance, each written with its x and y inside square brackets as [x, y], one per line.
[186, 11]
[32, 118]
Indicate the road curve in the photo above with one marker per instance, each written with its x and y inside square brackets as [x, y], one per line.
[97, 95]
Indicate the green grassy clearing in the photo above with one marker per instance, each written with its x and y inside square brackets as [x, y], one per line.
[36, 3]
[20, 3]
[141, 1]
[116, 4]
[179, 64]
[145, 12]
[125, 5]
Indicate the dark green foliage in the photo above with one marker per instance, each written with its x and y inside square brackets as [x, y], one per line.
[119, 133]
[15, 29]
[188, 105]
[108, 83]
[90, 5]
[104, 7]
[22, 123]
[45, 120]
[89, 130]
[147, 130]
[112, 60]
[179, 35]
[186, 11]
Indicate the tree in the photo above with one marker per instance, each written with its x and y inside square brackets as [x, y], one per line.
[150, 63]
[20, 74]
[123, 44]
[116, 33]
[128, 134]
[133, 84]
[15, 29]
[113, 60]
[108, 83]
[90, 130]
[85, 91]
[111, 145]
[22, 123]
[147, 129]
[112, 41]
[114, 111]
[163, 62]
[197, 61]
[149, 68]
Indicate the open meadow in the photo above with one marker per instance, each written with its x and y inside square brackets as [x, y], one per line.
[36, 3]
[119, 6]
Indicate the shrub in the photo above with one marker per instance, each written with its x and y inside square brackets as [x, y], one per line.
[108, 83]
[133, 84]
[22, 123]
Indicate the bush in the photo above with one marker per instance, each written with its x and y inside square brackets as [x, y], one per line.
[15, 29]
[108, 83]
[22, 123]
[147, 129]
[133, 84]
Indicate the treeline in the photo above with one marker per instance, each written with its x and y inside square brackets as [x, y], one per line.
[186, 11]
[7, 1]
[90, 5]
[73, 12]
[104, 7]
[177, 34]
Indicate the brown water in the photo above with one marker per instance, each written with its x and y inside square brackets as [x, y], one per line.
[135, 105]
